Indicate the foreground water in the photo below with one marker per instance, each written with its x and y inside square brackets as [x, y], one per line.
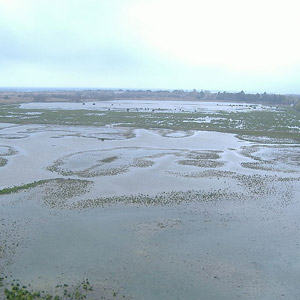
[150, 214]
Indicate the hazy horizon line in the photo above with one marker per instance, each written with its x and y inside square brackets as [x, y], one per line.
[70, 88]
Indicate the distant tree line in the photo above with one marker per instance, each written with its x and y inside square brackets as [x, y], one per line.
[254, 98]
[95, 94]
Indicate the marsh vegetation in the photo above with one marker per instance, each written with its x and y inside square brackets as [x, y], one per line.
[107, 192]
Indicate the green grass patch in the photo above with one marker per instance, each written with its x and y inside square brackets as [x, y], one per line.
[79, 292]
[18, 188]
[281, 123]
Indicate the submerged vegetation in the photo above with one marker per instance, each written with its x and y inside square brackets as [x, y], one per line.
[163, 198]
[62, 291]
[249, 186]
[208, 163]
[79, 292]
[3, 162]
[100, 162]
[274, 123]
[4, 152]
[56, 190]
[260, 169]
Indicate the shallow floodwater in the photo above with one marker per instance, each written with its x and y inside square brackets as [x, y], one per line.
[151, 214]
[188, 106]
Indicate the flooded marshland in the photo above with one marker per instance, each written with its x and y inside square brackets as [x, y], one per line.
[151, 200]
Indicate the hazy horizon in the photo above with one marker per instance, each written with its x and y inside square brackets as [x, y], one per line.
[66, 88]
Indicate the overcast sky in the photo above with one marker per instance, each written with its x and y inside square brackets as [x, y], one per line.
[250, 45]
